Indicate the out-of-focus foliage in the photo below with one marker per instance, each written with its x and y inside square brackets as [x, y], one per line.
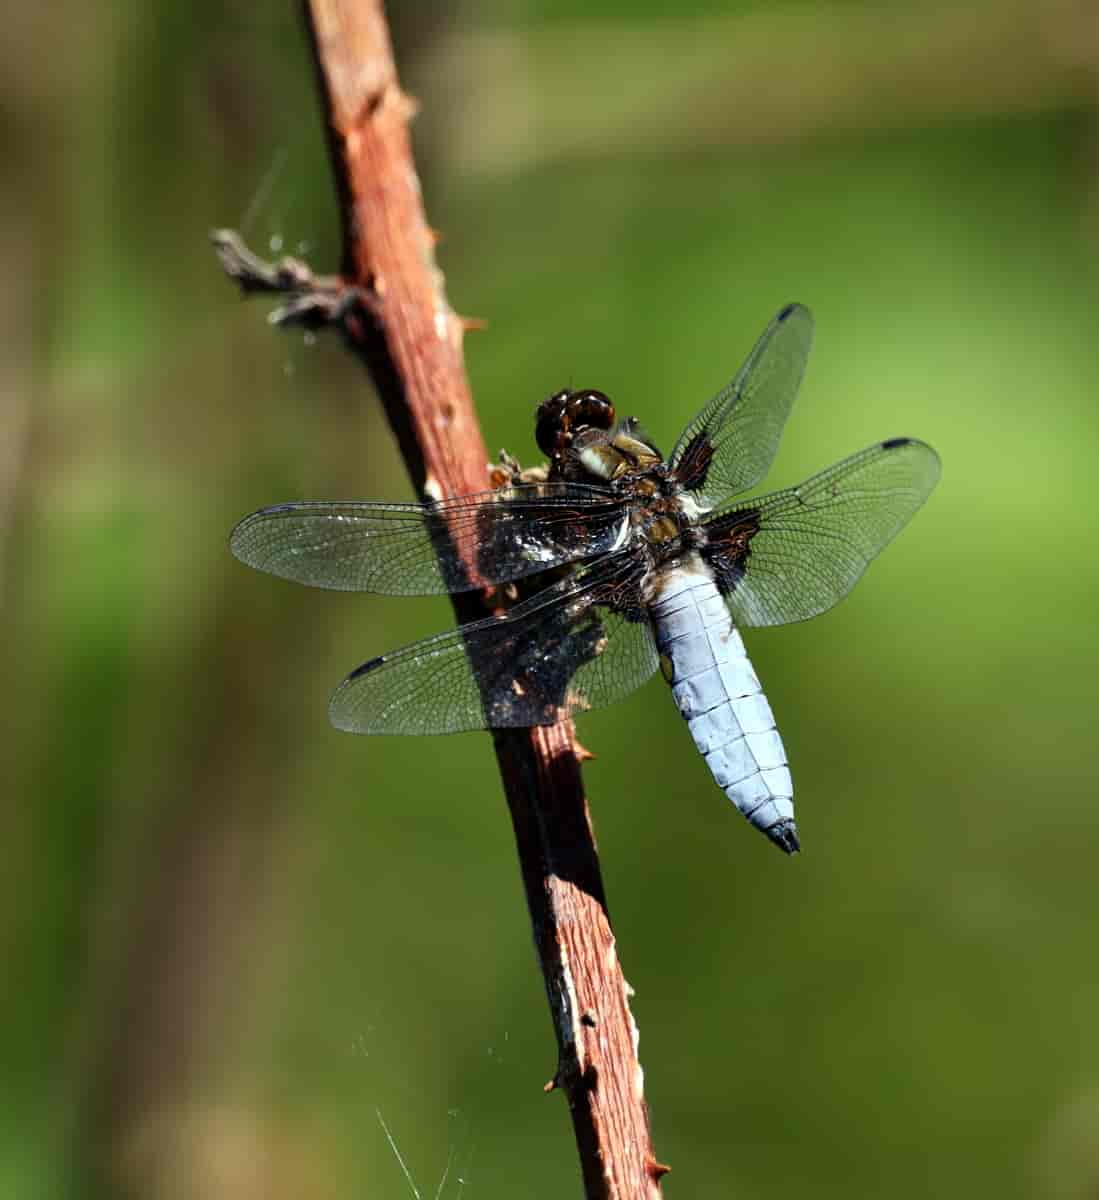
[238, 947]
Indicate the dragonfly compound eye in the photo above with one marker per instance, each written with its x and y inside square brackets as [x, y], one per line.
[592, 408]
[552, 423]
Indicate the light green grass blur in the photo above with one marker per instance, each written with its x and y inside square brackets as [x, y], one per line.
[231, 937]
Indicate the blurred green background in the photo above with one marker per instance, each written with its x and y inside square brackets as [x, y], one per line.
[238, 947]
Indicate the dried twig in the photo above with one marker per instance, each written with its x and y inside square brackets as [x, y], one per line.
[312, 300]
[390, 304]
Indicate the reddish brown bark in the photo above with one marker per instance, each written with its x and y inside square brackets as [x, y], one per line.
[398, 320]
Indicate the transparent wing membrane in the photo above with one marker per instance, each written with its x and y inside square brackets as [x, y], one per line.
[729, 447]
[790, 555]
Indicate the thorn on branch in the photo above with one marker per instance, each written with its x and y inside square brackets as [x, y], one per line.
[388, 98]
[656, 1170]
[313, 301]
[567, 1074]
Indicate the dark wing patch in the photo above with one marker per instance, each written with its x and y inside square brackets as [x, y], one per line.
[693, 464]
[729, 544]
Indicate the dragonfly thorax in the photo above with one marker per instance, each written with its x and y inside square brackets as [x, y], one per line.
[662, 516]
[607, 456]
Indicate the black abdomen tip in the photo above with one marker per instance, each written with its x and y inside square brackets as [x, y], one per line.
[785, 836]
[893, 443]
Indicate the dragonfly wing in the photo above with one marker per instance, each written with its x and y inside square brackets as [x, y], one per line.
[790, 555]
[581, 643]
[424, 549]
[729, 447]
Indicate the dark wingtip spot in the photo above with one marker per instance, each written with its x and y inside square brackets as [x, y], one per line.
[893, 443]
[367, 666]
[785, 836]
[784, 312]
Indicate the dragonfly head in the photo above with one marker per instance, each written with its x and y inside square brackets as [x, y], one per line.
[565, 414]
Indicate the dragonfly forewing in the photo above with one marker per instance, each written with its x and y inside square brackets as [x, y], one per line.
[426, 549]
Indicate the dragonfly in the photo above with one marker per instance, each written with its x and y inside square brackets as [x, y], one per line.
[619, 562]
